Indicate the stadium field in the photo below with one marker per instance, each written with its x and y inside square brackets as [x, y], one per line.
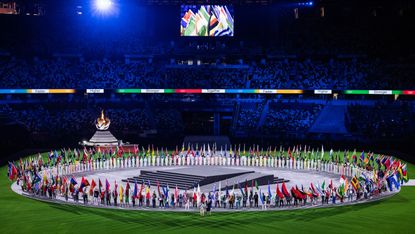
[22, 215]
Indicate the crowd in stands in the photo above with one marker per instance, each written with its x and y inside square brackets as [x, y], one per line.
[294, 118]
[80, 122]
[77, 121]
[249, 115]
[287, 117]
[275, 74]
[380, 120]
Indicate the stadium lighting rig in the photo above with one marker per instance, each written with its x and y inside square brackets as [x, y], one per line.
[103, 5]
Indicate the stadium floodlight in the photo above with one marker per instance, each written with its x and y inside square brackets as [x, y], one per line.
[103, 5]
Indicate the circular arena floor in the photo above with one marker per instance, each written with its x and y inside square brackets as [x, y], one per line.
[295, 178]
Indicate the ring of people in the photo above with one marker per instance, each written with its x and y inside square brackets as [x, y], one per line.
[215, 181]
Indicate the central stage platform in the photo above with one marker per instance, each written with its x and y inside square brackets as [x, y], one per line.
[189, 177]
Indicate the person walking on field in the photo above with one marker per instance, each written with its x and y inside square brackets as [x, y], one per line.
[202, 209]
[209, 207]
[186, 201]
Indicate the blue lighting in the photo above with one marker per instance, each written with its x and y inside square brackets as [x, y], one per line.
[307, 4]
[103, 5]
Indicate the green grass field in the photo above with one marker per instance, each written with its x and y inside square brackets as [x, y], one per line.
[22, 215]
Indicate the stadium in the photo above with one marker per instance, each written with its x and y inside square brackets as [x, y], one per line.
[207, 116]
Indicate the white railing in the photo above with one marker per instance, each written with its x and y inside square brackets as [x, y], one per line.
[264, 162]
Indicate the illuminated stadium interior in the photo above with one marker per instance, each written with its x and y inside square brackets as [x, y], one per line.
[225, 116]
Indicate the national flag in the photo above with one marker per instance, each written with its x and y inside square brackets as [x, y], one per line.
[136, 149]
[12, 173]
[261, 197]
[99, 185]
[73, 181]
[284, 190]
[36, 179]
[166, 190]
[148, 192]
[72, 184]
[158, 189]
[315, 192]
[392, 181]
[135, 189]
[289, 153]
[107, 185]
[127, 187]
[362, 156]
[214, 192]
[296, 193]
[355, 183]
[176, 194]
[366, 160]
[341, 190]
[93, 184]
[84, 183]
[86, 154]
[404, 173]
[219, 190]
[387, 163]
[121, 192]
[279, 193]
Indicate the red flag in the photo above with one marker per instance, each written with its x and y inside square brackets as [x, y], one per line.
[284, 190]
[289, 153]
[136, 149]
[86, 155]
[300, 193]
[93, 184]
[279, 194]
[12, 172]
[84, 183]
[141, 189]
[176, 193]
[99, 184]
[120, 151]
[313, 189]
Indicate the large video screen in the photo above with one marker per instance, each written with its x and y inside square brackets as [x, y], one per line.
[206, 20]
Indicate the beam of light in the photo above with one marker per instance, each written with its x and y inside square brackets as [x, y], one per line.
[103, 5]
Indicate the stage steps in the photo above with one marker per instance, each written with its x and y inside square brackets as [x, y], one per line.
[262, 179]
[183, 181]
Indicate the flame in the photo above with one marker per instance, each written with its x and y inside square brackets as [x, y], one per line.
[102, 119]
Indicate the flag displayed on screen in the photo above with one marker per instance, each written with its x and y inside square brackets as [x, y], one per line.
[206, 20]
